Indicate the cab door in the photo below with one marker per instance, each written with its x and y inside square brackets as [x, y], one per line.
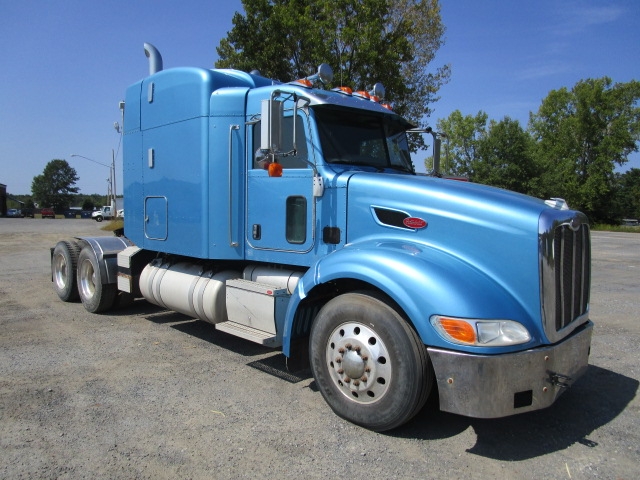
[280, 210]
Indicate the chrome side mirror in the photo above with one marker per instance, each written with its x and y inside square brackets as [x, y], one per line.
[271, 125]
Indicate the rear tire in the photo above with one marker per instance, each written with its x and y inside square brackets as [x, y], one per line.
[368, 363]
[63, 270]
[96, 296]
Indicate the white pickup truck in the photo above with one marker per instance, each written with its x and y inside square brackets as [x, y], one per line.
[105, 213]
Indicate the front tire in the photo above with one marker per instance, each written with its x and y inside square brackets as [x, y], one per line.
[368, 363]
[63, 270]
[96, 296]
[98, 219]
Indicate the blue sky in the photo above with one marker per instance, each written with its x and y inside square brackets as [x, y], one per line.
[66, 65]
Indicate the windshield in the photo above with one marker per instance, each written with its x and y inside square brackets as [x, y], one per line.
[355, 137]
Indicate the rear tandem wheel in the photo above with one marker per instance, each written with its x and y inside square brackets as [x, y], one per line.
[63, 270]
[96, 296]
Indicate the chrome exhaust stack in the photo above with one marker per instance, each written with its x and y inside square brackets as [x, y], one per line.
[155, 59]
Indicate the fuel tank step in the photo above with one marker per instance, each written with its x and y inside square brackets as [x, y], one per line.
[249, 333]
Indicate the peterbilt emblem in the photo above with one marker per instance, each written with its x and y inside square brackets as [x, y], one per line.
[575, 224]
[414, 222]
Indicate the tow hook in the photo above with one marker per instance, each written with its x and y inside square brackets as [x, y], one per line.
[559, 380]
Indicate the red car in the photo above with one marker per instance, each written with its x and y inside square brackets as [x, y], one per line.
[48, 213]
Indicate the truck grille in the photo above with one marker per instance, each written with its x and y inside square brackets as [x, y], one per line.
[565, 274]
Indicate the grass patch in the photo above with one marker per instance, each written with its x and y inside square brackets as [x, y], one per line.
[113, 225]
[614, 228]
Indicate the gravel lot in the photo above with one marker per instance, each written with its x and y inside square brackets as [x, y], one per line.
[146, 393]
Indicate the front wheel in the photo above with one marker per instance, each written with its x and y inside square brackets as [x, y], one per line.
[98, 218]
[96, 296]
[368, 363]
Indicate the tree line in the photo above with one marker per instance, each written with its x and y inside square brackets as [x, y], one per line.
[570, 149]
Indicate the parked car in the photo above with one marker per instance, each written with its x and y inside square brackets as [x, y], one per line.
[14, 213]
[48, 213]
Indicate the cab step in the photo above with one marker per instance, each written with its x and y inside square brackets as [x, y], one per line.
[249, 333]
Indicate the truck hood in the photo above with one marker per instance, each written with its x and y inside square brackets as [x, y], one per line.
[492, 230]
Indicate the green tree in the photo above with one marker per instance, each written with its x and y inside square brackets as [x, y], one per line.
[87, 204]
[55, 187]
[628, 194]
[581, 135]
[504, 157]
[364, 41]
[460, 144]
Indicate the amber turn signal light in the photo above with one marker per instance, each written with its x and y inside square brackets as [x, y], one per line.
[275, 169]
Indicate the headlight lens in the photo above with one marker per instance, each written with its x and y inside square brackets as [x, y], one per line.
[481, 333]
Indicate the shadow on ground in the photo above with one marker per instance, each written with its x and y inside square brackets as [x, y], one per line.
[595, 400]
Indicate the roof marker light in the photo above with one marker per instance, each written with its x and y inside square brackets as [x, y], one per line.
[303, 82]
[343, 90]
[362, 94]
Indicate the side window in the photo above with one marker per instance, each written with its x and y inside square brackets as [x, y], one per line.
[297, 161]
[296, 220]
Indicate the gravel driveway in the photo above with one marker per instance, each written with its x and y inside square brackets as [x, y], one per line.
[146, 393]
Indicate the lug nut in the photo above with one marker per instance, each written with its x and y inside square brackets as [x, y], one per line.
[340, 371]
[341, 350]
[357, 349]
[339, 360]
[367, 369]
[364, 378]
[348, 346]
[347, 380]
[365, 358]
[356, 383]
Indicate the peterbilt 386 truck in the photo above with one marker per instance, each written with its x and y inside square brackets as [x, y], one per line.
[292, 216]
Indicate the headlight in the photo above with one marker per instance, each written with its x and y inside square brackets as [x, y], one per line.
[481, 333]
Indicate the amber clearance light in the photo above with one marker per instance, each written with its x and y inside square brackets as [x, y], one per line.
[459, 330]
[275, 169]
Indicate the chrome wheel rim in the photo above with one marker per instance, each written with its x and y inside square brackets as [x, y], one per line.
[60, 272]
[359, 363]
[87, 279]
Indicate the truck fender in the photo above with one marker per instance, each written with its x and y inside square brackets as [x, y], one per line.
[106, 250]
[422, 280]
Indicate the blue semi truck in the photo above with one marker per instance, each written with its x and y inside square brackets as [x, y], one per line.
[292, 216]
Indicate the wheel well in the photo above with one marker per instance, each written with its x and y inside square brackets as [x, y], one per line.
[317, 298]
[321, 294]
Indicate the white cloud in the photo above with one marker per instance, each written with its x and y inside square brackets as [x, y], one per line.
[575, 19]
[534, 72]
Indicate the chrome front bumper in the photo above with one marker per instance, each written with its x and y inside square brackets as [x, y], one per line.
[491, 386]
